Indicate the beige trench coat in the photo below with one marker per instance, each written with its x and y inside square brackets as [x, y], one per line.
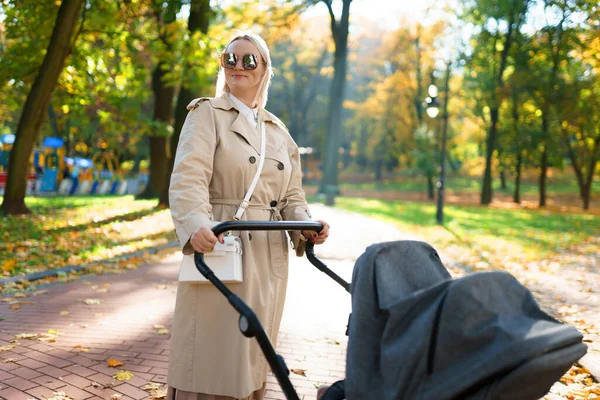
[217, 158]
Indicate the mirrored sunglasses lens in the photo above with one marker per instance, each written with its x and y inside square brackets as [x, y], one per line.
[249, 61]
[229, 60]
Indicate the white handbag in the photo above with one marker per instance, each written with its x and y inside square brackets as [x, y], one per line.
[225, 260]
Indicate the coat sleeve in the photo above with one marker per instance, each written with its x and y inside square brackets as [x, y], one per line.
[296, 207]
[192, 173]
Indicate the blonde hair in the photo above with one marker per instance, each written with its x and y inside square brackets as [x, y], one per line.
[260, 99]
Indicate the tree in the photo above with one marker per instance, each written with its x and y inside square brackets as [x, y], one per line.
[491, 17]
[36, 105]
[339, 32]
[165, 14]
[198, 23]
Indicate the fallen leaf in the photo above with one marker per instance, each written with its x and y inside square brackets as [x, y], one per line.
[299, 371]
[123, 375]
[20, 295]
[156, 326]
[64, 313]
[116, 396]
[92, 301]
[15, 307]
[9, 360]
[79, 348]
[162, 332]
[9, 265]
[38, 292]
[152, 386]
[114, 363]
[7, 347]
[102, 386]
[29, 336]
[59, 396]
[158, 394]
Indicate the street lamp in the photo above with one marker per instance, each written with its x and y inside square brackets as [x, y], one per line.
[432, 105]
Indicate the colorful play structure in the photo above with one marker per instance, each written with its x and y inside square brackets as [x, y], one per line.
[53, 173]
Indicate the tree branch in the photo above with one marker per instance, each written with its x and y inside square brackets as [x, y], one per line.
[334, 27]
[80, 27]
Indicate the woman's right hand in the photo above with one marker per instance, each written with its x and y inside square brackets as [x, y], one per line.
[204, 239]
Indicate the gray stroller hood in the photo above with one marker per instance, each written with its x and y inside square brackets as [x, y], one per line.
[417, 334]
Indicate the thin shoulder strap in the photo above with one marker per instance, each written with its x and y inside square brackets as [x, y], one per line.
[244, 204]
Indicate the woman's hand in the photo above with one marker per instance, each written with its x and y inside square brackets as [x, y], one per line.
[204, 240]
[319, 238]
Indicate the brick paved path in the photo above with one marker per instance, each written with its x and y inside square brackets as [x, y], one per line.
[122, 325]
[126, 324]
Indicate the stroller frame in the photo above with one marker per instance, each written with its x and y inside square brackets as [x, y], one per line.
[248, 322]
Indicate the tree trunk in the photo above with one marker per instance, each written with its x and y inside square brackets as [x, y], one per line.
[339, 31]
[163, 111]
[517, 194]
[430, 187]
[36, 105]
[199, 20]
[486, 190]
[502, 179]
[543, 176]
[584, 182]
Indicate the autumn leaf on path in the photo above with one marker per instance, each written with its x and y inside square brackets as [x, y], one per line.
[160, 330]
[114, 363]
[64, 313]
[59, 396]
[92, 301]
[29, 336]
[152, 386]
[7, 347]
[79, 348]
[123, 375]
[158, 394]
[299, 371]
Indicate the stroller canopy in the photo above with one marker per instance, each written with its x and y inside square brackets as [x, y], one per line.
[416, 333]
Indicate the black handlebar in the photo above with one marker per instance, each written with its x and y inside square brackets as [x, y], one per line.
[266, 226]
[249, 323]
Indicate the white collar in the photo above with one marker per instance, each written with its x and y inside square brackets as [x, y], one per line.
[251, 114]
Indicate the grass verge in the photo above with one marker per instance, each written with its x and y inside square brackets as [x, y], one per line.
[68, 231]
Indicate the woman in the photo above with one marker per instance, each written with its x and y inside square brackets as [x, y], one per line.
[216, 160]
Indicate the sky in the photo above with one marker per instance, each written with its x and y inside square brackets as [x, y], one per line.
[387, 13]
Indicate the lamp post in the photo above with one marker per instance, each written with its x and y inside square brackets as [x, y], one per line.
[432, 105]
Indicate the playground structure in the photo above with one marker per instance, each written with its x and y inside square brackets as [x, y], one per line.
[6, 144]
[52, 173]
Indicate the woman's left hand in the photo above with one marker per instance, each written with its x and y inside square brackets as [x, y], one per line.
[318, 238]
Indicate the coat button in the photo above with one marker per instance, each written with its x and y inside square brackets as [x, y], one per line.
[280, 166]
[273, 203]
[252, 159]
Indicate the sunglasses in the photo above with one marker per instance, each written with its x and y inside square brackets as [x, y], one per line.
[229, 61]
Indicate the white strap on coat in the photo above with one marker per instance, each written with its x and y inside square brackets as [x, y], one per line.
[244, 204]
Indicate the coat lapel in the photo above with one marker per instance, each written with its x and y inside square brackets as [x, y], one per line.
[241, 126]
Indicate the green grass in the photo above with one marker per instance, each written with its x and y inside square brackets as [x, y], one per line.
[505, 234]
[469, 185]
[65, 231]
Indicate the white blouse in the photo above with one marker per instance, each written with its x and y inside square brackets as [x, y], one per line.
[251, 114]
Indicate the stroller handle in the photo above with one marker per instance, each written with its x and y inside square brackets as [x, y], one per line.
[266, 226]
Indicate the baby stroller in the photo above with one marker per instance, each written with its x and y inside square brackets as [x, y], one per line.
[415, 333]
